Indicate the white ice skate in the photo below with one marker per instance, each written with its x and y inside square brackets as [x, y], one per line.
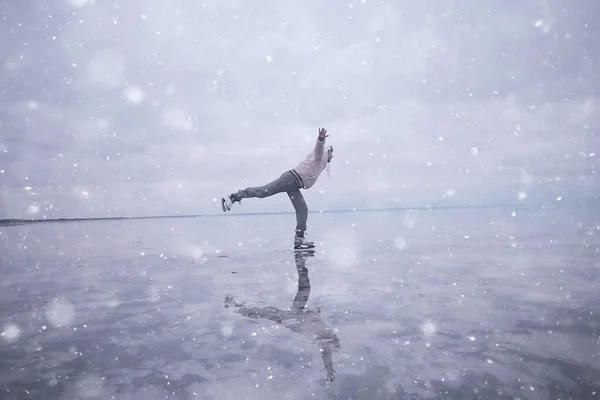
[302, 243]
[227, 202]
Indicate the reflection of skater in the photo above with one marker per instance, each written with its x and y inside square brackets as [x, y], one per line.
[305, 322]
[302, 176]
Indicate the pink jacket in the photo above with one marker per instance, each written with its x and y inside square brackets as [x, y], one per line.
[310, 169]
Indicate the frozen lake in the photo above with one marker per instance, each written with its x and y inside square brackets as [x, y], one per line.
[449, 304]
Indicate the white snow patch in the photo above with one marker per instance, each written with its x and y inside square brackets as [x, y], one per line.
[428, 329]
[269, 59]
[400, 243]
[33, 209]
[543, 26]
[60, 313]
[11, 333]
[522, 195]
[32, 105]
[81, 193]
[196, 252]
[113, 303]
[79, 3]
[474, 151]
[450, 192]
[227, 330]
[134, 95]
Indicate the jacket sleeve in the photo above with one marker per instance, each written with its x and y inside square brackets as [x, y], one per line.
[319, 148]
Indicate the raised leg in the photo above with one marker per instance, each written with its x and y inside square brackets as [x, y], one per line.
[284, 183]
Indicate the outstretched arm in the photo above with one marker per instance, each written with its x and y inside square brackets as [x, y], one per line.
[320, 145]
[328, 362]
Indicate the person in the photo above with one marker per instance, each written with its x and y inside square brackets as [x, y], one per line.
[304, 321]
[303, 176]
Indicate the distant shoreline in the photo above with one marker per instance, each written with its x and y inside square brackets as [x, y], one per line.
[19, 221]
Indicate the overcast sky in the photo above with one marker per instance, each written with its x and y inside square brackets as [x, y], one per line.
[121, 108]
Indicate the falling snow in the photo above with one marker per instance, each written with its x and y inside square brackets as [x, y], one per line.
[428, 329]
[10, 333]
[60, 313]
[33, 209]
[134, 95]
[121, 110]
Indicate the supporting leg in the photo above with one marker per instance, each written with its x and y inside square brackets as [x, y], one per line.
[303, 284]
[301, 211]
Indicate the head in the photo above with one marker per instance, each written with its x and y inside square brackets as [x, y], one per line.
[330, 154]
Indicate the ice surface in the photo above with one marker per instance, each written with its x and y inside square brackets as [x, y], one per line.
[98, 309]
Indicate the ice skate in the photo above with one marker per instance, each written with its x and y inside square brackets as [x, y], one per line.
[227, 202]
[301, 243]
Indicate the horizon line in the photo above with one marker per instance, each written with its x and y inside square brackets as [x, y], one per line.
[22, 221]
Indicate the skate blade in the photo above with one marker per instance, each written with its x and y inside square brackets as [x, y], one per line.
[304, 247]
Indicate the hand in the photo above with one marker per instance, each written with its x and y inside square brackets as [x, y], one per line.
[330, 154]
[331, 374]
[323, 133]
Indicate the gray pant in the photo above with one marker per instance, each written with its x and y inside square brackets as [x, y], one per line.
[287, 182]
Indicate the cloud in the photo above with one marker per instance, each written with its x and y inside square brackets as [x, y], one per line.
[151, 108]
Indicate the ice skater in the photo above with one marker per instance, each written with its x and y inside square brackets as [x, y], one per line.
[303, 176]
